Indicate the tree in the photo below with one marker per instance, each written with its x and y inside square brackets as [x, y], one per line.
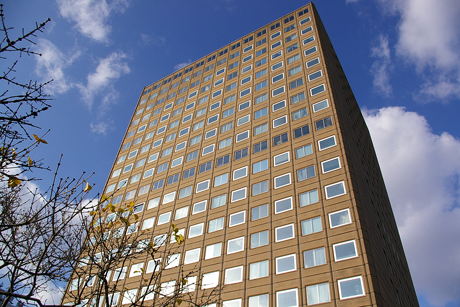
[62, 232]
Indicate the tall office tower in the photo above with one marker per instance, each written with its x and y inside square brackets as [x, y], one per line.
[260, 153]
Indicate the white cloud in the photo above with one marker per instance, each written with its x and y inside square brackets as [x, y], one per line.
[429, 38]
[51, 65]
[182, 65]
[382, 66]
[422, 172]
[153, 40]
[100, 128]
[108, 70]
[90, 16]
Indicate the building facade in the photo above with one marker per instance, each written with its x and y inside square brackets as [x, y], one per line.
[259, 153]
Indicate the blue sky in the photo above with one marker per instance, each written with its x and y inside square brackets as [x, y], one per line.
[401, 57]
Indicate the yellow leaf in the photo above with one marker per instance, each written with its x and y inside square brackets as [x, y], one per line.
[184, 281]
[121, 210]
[39, 140]
[179, 239]
[103, 198]
[87, 187]
[179, 301]
[151, 245]
[146, 280]
[131, 204]
[110, 224]
[13, 182]
[93, 213]
[29, 160]
[14, 154]
[136, 216]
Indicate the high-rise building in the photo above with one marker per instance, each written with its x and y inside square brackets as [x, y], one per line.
[260, 154]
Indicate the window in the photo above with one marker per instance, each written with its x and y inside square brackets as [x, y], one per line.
[232, 276]
[277, 91]
[185, 192]
[225, 143]
[210, 133]
[308, 39]
[258, 269]
[335, 189]
[277, 54]
[180, 213]
[273, 46]
[228, 112]
[235, 245]
[243, 120]
[260, 166]
[120, 273]
[312, 62]
[314, 257]
[166, 152]
[231, 303]
[219, 201]
[148, 223]
[153, 203]
[237, 218]
[205, 167]
[214, 106]
[285, 264]
[330, 165]
[279, 121]
[238, 194]
[216, 224]
[245, 92]
[323, 123]
[280, 139]
[281, 158]
[214, 250]
[199, 207]
[315, 75]
[246, 69]
[242, 136]
[181, 146]
[320, 105]
[295, 83]
[306, 173]
[351, 287]
[261, 51]
[195, 230]
[297, 98]
[311, 226]
[277, 78]
[277, 65]
[261, 62]
[173, 179]
[259, 188]
[158, 184]
[221, 61]
[299, 114]
[279, 105]
[259, 239]
[339, 218]
[258, 301]
[240, 173]
[170, 198]
[345, 250]
[193, 155]
[287, 298]
[317, 294]
[282, 180]
[241, 153]
[210, 280]
[260, 113]
[164, 218]
[292, 48]
[261, 85]
[259, 212]
[201, 186]
[310, 50]
[260, 146]
[283, 205]
[230, 99]
[327, 143]
[308, 198]
[161, 130]
[244, 105]
[200, 112]
[208, 149]
[304, 130]
[284, 232]
[192, 256]
[128, 168]
[233, 65]
[248, 58]
[220, 180]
